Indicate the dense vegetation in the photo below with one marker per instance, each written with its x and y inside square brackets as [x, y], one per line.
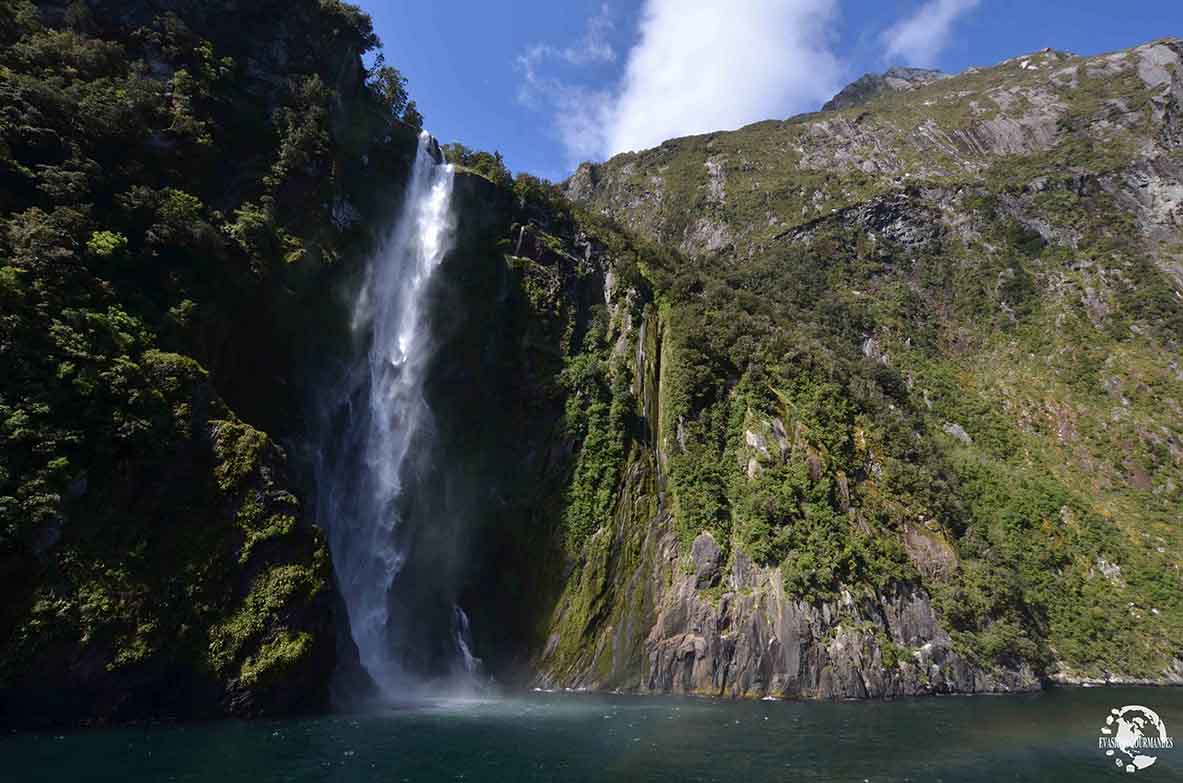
[172, 184]
[896, 354]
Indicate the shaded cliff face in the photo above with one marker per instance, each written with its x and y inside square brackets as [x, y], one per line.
[904, 402]
[186, 584]
[173, 185]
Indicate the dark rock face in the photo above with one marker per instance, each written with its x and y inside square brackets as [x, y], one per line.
[873, 85]
[707, 557]
[755, 640]
[1172, 132]
[900, 219]
[758, 641]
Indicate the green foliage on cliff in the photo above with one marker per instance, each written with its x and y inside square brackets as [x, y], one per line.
[489, 165]
[599, 412]
[851, 450]
[779, 341]
[172, 183]
[904, 344]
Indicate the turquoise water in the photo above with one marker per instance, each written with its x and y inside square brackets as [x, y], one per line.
[1045, 737]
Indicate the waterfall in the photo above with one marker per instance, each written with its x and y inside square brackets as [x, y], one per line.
[381, 449]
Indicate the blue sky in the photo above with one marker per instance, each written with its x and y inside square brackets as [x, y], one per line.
[552, 83]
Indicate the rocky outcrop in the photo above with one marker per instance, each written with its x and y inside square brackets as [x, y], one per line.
[872, 85]
[754, 640]
[900, 219]
[707, 559]
[987, 122]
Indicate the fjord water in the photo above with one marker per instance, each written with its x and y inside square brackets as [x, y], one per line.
[1050, 737]
[380, 435]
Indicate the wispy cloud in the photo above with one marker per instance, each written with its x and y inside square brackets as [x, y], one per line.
[594, 47]
[920, 38]
[697, 66]
[579, 112]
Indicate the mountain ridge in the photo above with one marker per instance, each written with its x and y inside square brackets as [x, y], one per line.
[869, 85]
[980, 238]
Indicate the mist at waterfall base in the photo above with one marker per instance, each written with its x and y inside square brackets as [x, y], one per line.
[395, 530]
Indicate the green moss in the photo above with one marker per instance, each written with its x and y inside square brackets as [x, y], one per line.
[272, 591]
[275, 659]
[239, 449]
[713, 594]
[277, 526]
[598, 414]
[137, 647]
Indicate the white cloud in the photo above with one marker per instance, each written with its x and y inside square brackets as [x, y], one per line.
[703, 65]
[919, 39]
[697, 66]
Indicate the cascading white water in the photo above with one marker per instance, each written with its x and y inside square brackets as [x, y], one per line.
[384, 420]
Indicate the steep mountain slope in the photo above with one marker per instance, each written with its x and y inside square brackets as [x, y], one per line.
[174, 183]
[908, 396]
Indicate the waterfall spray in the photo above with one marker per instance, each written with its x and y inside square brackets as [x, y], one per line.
[384, 428]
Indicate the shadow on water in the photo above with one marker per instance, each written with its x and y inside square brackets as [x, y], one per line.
[1049, 736]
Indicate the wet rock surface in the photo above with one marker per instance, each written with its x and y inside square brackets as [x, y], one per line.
[755, 640]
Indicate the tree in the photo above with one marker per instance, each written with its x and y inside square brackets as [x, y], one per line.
[412, 117]
[487, 164]
[390, 87]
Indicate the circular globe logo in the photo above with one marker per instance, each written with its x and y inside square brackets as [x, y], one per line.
[1133, 736]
